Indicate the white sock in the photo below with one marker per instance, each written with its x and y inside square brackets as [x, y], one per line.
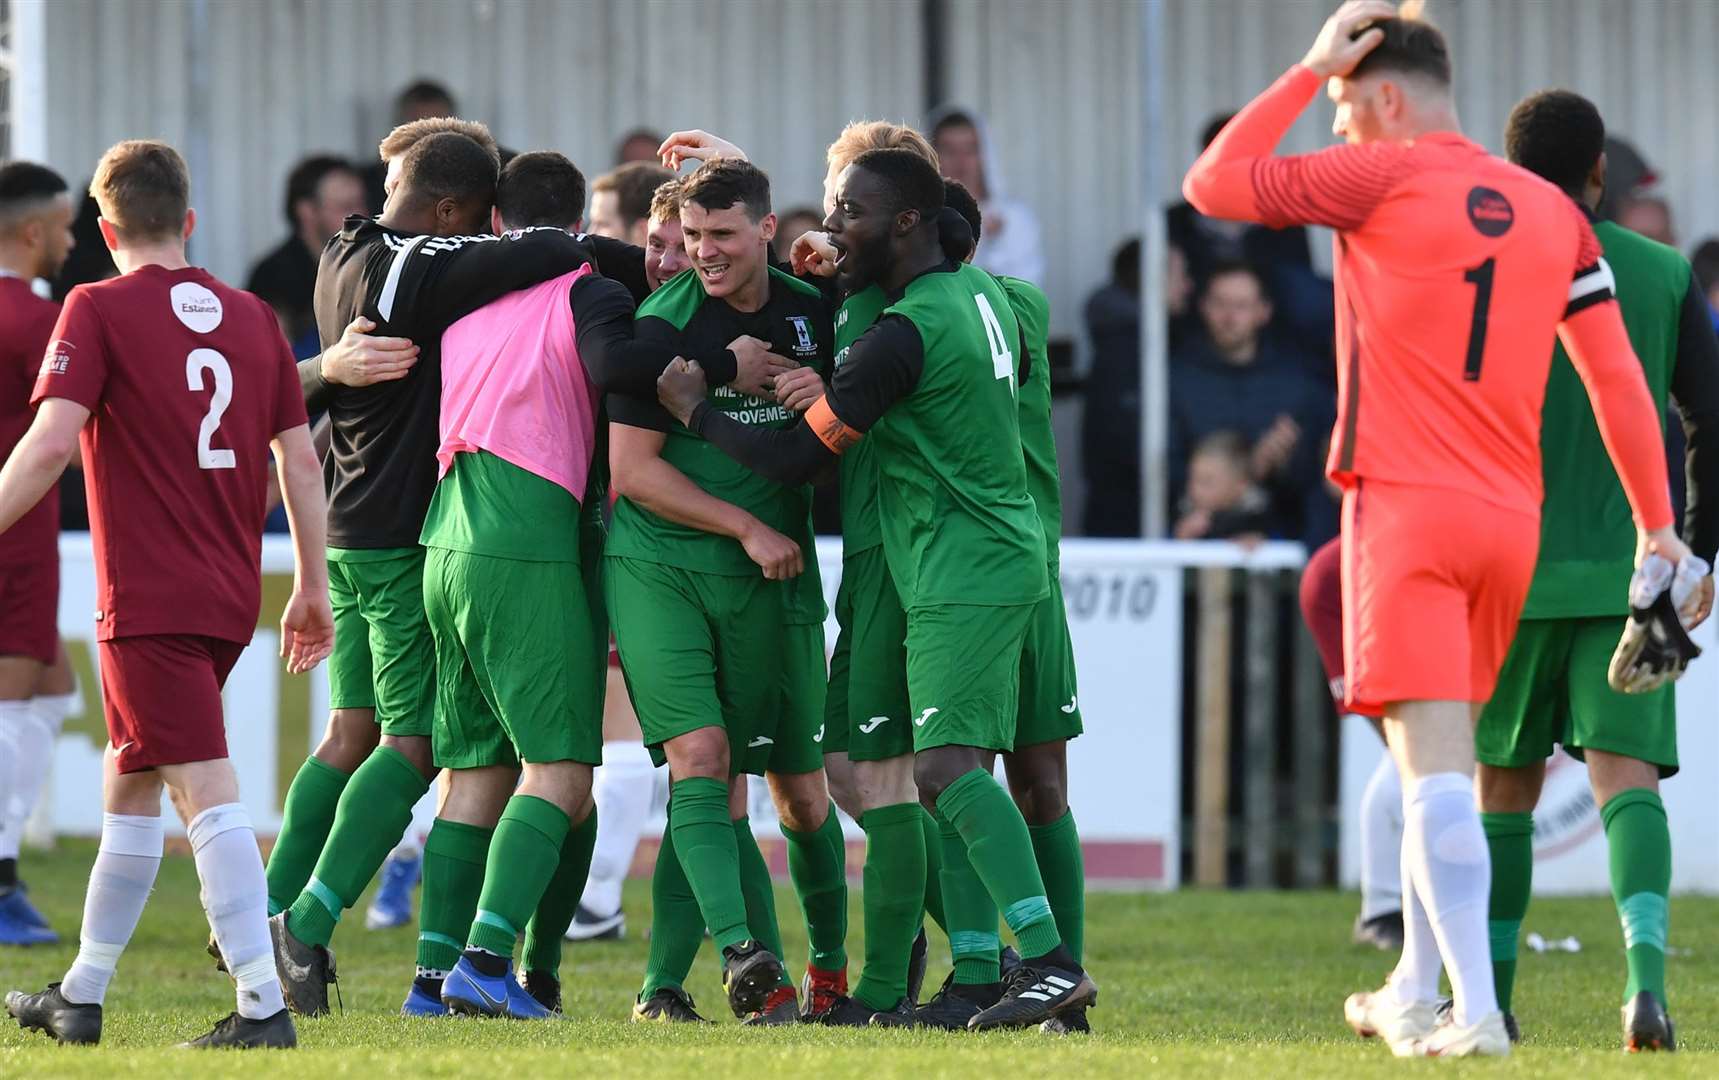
[14, 718]
[1382, 841]
[61, 707]
[622, 789]
[38, 724]
[120, 881]
[236, 898]
[1445, 847]
[411, 845]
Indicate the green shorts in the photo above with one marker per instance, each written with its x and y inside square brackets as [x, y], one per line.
[699, 650]
[1553, 690]
[592, 536]
[1049, 705]
[964, 674]
[384, 657]
[519, 669]
[866, 715]
[800, 728]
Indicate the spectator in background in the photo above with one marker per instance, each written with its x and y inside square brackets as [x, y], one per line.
[321, 192]
[1649, 215]
[639, 144]
[90, 260]
[1012, 244]
[1222, 501]
[1627, 175]
[1233, 377]
[418, 100]
[791, 224]
[1303, 312]
[1706, 264]
[1110, 422]
[621, 201]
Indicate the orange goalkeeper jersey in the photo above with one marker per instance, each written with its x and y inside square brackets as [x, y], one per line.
[1454, 271]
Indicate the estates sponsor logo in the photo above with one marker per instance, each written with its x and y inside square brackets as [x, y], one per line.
[195, 306]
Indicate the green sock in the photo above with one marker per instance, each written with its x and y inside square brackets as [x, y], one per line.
[974, 946]
[759, 892]
[704, 840]
[677, 926]
[894, 900]
[454, 857]
[933, 844]
[305, 821]
[522, 858]
[1056, 848]
[373, 811]
[818, 867]
[1002, 856]
[554, 914]
[1510, 838]
[1640, 844]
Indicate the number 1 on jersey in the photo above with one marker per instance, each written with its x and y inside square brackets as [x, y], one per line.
[209, 360]
[1481, 278]
[1002, 360]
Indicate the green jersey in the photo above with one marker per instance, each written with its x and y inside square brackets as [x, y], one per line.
[794, 321]
[1587, 537]
[1038, 442]
[484, 505]
[958, 524]
[860, 528]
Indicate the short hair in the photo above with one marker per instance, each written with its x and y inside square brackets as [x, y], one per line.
[720, 183]
[957, 198]
[863, 135]
[143, 189]
[1125, 264]
[633, 184]
[406, 136]
[423, 92]
[953, 118]
[1214, 127]
[448, 165]
[1226, 444]
[912, 181]
[1558, 135]
[1705, 262]
[307, 176]
[1411, 46]
[665, 203]
[1229, 267]
[540, 188]
[25, 187]
[655, 138]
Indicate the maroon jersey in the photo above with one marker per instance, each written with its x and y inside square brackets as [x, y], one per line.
[187, 381]
[26, 324]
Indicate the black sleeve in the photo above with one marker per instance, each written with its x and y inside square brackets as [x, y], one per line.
[622, 262]
[1695, 389]
[882, 367]
[318, 392]
[443, 279]
[637, 411]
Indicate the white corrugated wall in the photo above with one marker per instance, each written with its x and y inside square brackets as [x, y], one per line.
[1059, 82]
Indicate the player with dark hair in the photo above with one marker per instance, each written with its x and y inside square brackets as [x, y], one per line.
[35, 238]
[177, 525]
[621, 200]
[1451, 283]
[718, 616]
[933, 385]
[1552, 690]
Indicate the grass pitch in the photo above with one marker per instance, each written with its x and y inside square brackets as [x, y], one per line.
[1194, 984]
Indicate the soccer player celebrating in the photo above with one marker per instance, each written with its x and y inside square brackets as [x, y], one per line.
[933, 382]
[1437, 441]
[179, 386]
[1553, 688]
[709, 663]
[35, 236]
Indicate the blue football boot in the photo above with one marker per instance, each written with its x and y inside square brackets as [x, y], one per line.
[469, 992]
[393, 903]
[419, 1003]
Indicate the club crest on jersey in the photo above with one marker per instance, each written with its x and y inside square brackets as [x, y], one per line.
[195, 306]
[803, 343]
[1490, 212]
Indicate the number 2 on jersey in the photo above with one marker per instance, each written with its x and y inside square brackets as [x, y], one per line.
[199, 361]
[1002, 360]
[1481, 278]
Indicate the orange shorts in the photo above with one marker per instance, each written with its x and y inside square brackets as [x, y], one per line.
[1433, 584]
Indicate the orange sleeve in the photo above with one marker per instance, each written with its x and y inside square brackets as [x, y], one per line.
[1600, 350]
[1239, 178]
[830, 428]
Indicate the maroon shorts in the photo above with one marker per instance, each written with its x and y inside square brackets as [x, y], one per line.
[30, 609]
[162, 695]
[1322, 608]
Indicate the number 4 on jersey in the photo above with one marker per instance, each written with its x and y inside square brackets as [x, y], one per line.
[196, 363]
[1002, 360]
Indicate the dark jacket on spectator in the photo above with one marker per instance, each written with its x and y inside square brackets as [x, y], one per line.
[1110, 424]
